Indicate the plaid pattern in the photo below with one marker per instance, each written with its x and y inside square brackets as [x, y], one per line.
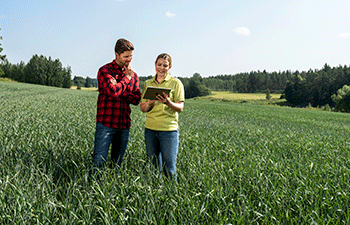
[116, 92]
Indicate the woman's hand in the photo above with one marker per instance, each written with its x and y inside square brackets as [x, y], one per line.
[145, 106]
[150, 102]
[164, 98]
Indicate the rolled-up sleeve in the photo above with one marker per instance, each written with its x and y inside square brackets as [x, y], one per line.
[132, 94]
[110, 85]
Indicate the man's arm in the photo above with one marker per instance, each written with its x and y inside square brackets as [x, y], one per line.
[109, 84]
[133, 95]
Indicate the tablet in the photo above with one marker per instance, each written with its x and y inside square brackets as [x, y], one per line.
[152, 92]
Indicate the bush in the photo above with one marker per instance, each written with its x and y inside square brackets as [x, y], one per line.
[268, 95]
[342, 99]
[327, 108]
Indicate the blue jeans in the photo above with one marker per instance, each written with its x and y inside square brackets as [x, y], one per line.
[104, 137]
[162, 148]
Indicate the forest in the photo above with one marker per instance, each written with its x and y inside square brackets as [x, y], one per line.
[39, 70]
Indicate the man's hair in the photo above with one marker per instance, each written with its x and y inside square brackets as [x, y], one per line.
[164, 56]
[123, 45]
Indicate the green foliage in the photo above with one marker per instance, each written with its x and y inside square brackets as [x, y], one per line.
[253, 82]
[237, 164]
[82, 82]
[88, 82]
[79, 81]
[39, 70]
[268, 94]
[327, 108]
[195, 88]
[316, 87]
[342, 99]
[2, 57]
[45, 71]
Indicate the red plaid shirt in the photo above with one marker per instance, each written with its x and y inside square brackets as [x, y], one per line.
[116, 92]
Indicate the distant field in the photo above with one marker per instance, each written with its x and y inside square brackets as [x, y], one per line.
[84, 88]
[5, 79]
[237, 164]
[242, 96]
[255, 98]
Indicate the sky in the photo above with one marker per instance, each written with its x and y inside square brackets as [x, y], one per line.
[209, 37]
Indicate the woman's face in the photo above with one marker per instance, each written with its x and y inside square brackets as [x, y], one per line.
[162, 67]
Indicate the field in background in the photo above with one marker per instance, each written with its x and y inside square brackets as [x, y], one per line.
[85, 88]
[253, 98]
[242, 96]
[237, 163]
[5, 79]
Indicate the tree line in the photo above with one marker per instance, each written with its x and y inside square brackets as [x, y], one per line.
[316, 87]
[319, 87]
[253, 82]
[84, 82]
[39, 70]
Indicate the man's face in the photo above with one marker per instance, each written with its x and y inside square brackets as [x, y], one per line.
[124, 58]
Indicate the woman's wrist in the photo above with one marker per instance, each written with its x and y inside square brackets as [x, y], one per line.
[149, 104]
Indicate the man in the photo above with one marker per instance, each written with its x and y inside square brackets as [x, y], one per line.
[118, 87]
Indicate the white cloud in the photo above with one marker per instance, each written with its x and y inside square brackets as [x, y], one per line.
[242, 31]
[169, 14]
[344, 35]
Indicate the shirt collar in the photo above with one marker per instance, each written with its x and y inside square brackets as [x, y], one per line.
[168, 77]
[117, 67]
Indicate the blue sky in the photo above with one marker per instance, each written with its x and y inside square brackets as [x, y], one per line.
[209, 37]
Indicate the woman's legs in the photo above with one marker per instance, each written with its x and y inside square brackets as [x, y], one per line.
[162, 148]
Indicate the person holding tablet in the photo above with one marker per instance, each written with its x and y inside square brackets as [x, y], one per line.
[162, 114]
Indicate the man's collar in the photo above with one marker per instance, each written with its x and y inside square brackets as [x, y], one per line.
[116, 66]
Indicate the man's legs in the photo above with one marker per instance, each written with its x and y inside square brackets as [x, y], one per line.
[103, 140]
[119, 144]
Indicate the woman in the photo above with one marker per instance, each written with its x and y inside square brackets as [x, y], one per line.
[161, 128]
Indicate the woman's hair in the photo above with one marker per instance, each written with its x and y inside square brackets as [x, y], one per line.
[166, 57]
[123, 45]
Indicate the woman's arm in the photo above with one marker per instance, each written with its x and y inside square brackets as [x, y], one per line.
[145, 106]
[176, 106]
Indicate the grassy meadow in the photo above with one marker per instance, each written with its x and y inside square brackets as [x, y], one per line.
[242, 96]
[237, 164]
[252, 98]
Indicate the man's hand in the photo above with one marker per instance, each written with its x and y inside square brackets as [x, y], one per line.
[113, 81]
[129, 73]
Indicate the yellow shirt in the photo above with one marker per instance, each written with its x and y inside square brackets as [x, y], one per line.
[160, 117]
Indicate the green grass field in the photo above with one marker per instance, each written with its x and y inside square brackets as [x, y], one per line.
[242, 96]
[252, 98]
[237, 164]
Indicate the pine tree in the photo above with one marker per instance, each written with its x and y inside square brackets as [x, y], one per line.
[268, 95]
[2, 58]
[88, 82]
